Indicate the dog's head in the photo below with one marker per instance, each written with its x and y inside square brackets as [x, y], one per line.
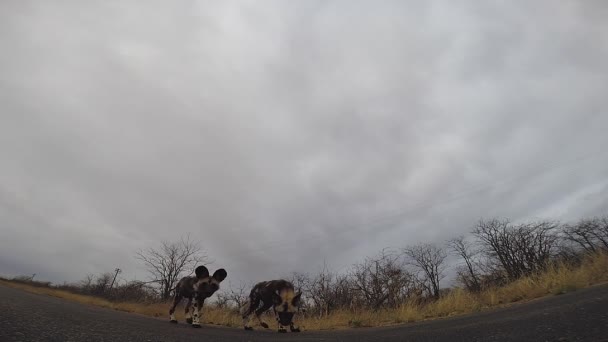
[205, 285]
[286, 304]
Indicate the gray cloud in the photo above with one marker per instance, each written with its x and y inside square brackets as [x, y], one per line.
[289, 134]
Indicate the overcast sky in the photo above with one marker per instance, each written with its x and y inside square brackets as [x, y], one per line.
[286, 134]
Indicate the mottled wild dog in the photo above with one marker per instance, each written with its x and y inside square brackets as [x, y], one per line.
[196, 290]
[278, 294]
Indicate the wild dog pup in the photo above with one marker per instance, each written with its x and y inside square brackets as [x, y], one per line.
[196, 289]
[278, 294]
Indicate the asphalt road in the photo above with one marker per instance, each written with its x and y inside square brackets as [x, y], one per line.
[577, 316]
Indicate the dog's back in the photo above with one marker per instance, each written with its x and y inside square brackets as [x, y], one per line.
[265, 290]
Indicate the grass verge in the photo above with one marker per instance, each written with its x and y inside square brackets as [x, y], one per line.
[556, 280]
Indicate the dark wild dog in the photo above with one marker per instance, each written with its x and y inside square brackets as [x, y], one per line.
[196, 289]
[278, 294]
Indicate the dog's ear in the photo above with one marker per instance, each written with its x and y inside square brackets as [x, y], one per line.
[296, 299]
[220, 275]
[201, 272]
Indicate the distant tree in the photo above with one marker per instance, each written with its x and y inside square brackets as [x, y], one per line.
[234, 296]
[321, 290]
[381, 280]
[520, 249]
[590, 235]
[172, 260]
[102, 283]
[469, 274]
[429, 259]
[87, 283]
[299, 280]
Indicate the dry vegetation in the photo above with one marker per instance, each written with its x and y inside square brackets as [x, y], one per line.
[556, 279]
[502, 264]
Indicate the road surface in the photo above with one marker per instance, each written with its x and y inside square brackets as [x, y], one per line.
[577, 316]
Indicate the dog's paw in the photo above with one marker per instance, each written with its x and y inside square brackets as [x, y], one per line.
[294, 329]
[282, 330]
[249, 328]
[264, 325]
[174, 321]
[196, 325]
[189, 320]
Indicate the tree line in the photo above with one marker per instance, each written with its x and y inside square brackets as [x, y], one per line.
[494, 253]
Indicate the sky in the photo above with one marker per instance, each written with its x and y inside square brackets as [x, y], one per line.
[284, 135]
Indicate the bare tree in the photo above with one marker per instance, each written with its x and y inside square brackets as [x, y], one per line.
[320, 290]
[469, 274]
[382, 280]
[429, 259]
[602, 231]
[299, 280]
[590, 235]
[222, 300]
[234, 296]
[519, 249]
[170, 261]
[87, 283]
[102, 283]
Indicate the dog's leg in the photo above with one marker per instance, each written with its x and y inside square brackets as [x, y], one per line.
[176, 301]
[246, 320]
[198, 306]
[260, 311]
[281, 327]
[187, 311]
[294, 328]
[246, 311]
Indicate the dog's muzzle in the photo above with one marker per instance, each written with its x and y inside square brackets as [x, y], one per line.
[285, 318]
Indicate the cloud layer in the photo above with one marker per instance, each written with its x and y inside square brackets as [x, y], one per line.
[294, 133]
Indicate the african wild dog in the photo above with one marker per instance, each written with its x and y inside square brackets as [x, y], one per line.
[278, 294]
[196, 289]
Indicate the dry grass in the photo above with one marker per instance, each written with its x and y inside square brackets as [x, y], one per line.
[557, 280]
